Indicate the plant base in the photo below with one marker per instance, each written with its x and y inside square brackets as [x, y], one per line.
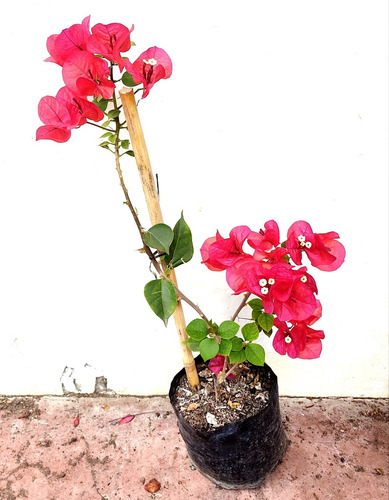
[241, 454]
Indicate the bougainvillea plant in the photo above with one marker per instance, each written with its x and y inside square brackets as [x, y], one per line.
[269, 274]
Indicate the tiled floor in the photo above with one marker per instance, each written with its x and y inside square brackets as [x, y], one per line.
[338, 450]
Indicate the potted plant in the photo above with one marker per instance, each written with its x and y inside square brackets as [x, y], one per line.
[226, 400]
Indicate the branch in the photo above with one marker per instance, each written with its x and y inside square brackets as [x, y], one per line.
[241, 305]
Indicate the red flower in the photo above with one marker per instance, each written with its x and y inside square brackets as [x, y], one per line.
[69, 41]
[59, 118]
[297, 341]
[86, 109]
[108, 40]
[323, 250]
[87, 75]
[216, 365]
[63, 113]
[284, 291]
[150, 67]
[265, 240]
[220, 253]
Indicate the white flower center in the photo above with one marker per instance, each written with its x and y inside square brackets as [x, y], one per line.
[264, 290]
[151, 61]
[262, 282]
[271, 281]
[304, 279]
[288, 339]
[303, 243]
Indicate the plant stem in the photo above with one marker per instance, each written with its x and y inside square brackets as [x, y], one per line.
[241, 306]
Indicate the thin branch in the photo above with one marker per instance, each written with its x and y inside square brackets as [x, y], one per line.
[99, 126]
[241, 305]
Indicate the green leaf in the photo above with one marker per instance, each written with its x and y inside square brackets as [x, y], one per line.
[208, 348]
[130, 153]
[237, 344]
[228, 329]
[237, 356]
[181, 249]
[106, 124]
[113, 113]
[269, 333]
[125, 144]
[197, 329]
[266, 321]
[193, 345]
[255, 354]
[128, 80]
[225, 347]
[250, 332]
[159, 236]
[101, 103]
[256, 306]
[162, 299]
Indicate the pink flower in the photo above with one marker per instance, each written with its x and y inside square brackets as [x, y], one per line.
[284, 291]
[216, 365]
[297, 341]
[151, 66]
[234, 276]
[323, 250]
[204, 250]
[68, 42]
[266, 240]
[63, 113]
[59, 118]
[220, 253]
[87, 75]
[109, 40]
[87, 110]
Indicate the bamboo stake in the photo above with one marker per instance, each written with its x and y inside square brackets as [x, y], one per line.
[155, 213]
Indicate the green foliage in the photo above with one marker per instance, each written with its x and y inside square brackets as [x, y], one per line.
[237, 344]
[101, 103]
[225, 347]
[255, 354]
[237, 356]
[128, 81]
[266, 321]
[250, 332]
[197, 329]
[208, 348]
[181, 249]
[256, 306]
[159, 236]
[161, 297]
[228, 329]
[113, 113]
[193, 345]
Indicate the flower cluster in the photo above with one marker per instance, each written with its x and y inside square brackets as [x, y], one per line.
[87, 58]
[273, 272]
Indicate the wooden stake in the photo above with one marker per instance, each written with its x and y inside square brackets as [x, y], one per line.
[151, 195]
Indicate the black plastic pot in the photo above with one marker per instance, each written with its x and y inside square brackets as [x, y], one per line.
[242, 454]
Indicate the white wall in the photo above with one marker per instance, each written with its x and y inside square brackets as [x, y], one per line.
[274, 110]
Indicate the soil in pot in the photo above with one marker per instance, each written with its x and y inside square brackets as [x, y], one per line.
[233, 431]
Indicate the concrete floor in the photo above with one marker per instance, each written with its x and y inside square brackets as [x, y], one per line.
[339, 450]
